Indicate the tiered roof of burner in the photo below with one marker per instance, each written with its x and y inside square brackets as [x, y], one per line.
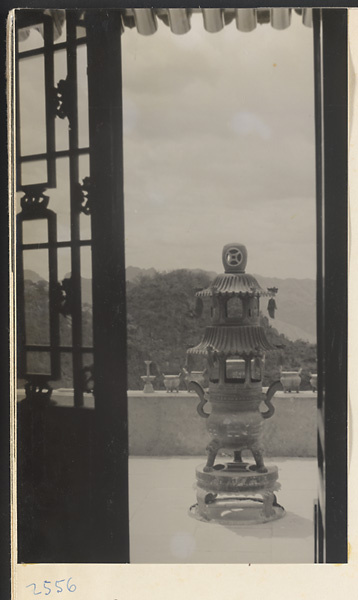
[239, 284]
[233, 341]
[233, 338]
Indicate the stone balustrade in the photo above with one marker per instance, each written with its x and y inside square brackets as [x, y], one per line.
[167, 424]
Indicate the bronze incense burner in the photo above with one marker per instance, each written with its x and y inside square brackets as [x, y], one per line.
[235, 345]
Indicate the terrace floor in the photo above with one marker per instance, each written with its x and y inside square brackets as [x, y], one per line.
[161, 490]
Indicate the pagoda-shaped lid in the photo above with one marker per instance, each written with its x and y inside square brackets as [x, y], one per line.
[234, 280]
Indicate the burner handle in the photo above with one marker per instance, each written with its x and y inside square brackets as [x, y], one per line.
[193, 386]
[274, 387]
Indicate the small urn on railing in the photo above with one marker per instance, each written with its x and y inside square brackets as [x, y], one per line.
[290, 380]
[148, 379]
[313, 381]
[171, 382]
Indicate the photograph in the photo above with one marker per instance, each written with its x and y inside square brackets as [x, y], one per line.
[178, 202]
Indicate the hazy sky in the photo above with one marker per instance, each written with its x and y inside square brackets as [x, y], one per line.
[218, 147]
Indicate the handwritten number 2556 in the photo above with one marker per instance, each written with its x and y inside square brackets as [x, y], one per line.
[71, 587]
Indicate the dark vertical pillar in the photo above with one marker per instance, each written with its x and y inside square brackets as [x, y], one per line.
[5, 323]
[331, 131]
[321, 501]
[75, 215]
[109, 312]
[334, 23]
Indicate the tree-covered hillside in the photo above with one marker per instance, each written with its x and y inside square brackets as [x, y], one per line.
[162, 325]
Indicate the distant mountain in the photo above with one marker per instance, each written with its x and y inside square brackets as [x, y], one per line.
[133, 272]
[292, 332]
[32, 276]
[86, 290]
[210, 274]
[296, 300]
[296, 306]
[296, 303]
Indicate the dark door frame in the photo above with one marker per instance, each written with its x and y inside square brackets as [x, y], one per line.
[331, 116]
